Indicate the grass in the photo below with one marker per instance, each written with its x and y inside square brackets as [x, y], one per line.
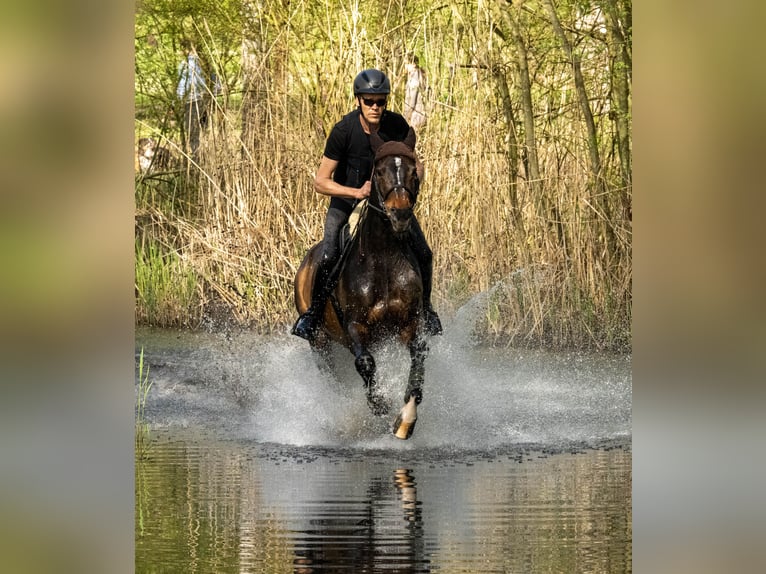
[167, 289]
[142, 438]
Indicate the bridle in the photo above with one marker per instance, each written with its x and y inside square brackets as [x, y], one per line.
[399, 185]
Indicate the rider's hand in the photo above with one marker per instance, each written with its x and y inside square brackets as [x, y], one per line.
[364, 191]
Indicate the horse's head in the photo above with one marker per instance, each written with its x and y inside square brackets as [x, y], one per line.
[395, 180]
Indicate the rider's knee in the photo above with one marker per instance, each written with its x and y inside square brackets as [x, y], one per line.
[420, 246]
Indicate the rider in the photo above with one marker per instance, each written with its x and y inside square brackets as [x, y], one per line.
[344, 174]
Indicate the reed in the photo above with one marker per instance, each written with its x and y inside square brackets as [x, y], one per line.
[218, 243]
[168, 290]
[142, 435]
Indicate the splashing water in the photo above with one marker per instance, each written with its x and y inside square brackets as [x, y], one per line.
[275, 391]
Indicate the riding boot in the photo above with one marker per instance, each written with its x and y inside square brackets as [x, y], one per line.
[307, 324]
[432, 323]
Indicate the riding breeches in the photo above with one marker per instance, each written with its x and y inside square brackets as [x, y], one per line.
[337, 216]
[424, 255]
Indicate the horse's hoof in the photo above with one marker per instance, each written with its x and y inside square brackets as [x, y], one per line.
[403, 430]
[405, 422]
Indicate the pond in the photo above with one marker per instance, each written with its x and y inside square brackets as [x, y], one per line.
[259, 461]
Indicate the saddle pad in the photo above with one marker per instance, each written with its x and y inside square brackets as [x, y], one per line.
[353, 219]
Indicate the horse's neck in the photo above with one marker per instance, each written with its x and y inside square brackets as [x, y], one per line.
[375, 230]
[377, 243]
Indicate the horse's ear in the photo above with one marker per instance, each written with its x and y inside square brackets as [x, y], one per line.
[411, 139]
[375, 142]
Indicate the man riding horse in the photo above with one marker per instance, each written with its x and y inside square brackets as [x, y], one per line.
[344, 174]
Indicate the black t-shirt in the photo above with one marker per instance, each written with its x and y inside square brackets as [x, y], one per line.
[349, 145]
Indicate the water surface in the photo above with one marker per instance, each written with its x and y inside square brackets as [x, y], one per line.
[262, 462]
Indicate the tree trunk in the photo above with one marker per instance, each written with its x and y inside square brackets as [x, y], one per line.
[512, 143]
[582, 95]
[533, 166]
[621, 62]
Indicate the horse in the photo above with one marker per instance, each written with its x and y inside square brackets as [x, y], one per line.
[379, 291]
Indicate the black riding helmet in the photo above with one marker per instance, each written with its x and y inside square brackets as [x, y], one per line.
[371, 81]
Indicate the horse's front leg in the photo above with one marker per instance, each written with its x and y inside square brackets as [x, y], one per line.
[418, 353]
[404, 424]
[365, 366]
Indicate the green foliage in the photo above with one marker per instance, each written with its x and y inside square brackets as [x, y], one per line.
[214, 27]
[167, 290]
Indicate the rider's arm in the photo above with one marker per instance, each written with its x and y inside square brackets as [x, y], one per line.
[324, 183]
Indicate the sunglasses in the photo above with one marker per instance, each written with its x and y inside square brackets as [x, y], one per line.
[369, 102]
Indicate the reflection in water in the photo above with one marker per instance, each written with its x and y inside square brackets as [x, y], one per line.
[405, 482]
[207, 506]
[367, 535]
[262, 463]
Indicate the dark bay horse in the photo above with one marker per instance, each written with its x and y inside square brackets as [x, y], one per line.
[379, 291]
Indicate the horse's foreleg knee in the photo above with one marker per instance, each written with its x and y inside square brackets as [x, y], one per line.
[365, 366]
[363, 361]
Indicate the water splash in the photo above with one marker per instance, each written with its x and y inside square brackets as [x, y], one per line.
[275, 391]
[460, 333]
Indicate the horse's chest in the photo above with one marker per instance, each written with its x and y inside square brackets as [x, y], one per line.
[393, 293]
[383, 289]
[395, 277]
[395, 308]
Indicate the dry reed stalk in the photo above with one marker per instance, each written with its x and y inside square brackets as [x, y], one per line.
[251, 212]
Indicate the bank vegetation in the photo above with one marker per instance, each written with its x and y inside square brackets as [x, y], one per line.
[527, 196]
